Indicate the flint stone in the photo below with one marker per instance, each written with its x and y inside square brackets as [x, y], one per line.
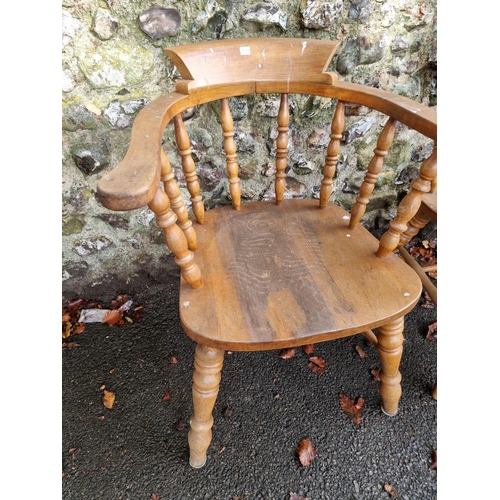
[388, 15]
[319, 138]
[320, 15]
[208, 176]
[115, 221]
[70, 27]
[90, 160]
[265, 14]
[360, 50]
[77, 117]
[214, 16]
[158, 22]
[294, 190]
[122, 114]
[68, 84]
[270, 107]
[74, 270]
[358, 129]
[400, 45]
[360, 10]
[303, 167]
[105, 25]
[77, 196]
[72, 224]
[245, 143]
[116, 64]
[91, 246]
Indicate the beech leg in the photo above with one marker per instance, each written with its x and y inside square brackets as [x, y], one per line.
[207, 374]
[390, 349]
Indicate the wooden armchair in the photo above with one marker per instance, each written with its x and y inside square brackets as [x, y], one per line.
[273, 274]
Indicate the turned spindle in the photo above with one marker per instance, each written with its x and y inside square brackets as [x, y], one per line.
[409, 206]
[175, 239]
[188, 166]
[281, 148]
[374, 169]
[176, 202]
[231, 157]
[332, 153]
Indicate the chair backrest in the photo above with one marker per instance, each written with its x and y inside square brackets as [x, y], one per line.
[220, 69]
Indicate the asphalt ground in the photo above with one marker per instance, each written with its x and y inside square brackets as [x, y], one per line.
[265, 407]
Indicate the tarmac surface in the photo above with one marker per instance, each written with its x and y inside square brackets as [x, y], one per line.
[266, 405]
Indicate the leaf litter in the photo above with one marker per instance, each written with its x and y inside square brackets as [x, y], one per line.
[351, 408]
[79, 312]
[306, 452]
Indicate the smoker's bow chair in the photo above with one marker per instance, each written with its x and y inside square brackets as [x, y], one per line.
[272, 274]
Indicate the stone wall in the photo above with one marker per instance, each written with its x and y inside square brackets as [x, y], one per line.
[113, 64]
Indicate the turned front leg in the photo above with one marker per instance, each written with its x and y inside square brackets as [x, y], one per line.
[390, 349]
[207, 373]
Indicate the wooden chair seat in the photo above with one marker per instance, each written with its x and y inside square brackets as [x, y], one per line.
[288, 275]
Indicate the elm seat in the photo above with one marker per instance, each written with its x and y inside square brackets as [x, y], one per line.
[283, 273]
[289, 275]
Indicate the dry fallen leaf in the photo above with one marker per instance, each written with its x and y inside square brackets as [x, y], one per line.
[434, 464]
[306, 452]
[390, 490]
[352, 409]
[108, 399]
[287, 353]
[154, 496]
[375, 373]
[173, 359]
[166, 397]
[432, 332]
[362, 354]
[79, 328]
[112, 317]
[66, 329]
[318, 361]
[308, 349]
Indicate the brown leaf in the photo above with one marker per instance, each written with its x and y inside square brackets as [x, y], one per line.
[352, 409]
[108, 399]
[318, 361]
[362, 354]
[66, 330]
[434, 460]
[306, 452]
[287, 353]
[79, 328]
[75, 304]
[173, 359]
[112, 317]
[166, 397]
[318, 370]
[308, 349]
[375, 373]
[66, 316]
[154, 496]
[432, 332]
[390, 490]
[69, 345]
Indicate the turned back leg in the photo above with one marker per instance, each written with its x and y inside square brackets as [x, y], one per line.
[390, 349]
[206, 379]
